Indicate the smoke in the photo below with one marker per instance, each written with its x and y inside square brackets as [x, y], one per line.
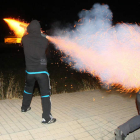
[109, 51]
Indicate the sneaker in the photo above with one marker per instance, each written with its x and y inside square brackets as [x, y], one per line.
[25, 110]
[119, 134]
[52, 120]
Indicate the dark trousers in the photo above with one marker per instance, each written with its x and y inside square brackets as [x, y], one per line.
[134, 123]
[44, 84]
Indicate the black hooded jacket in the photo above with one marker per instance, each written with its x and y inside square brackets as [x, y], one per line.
[34, 48]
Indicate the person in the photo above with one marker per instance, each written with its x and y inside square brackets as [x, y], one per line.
[35, 45]
[131, 125]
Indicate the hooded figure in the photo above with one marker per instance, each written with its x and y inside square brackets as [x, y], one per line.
[36, 70]
[34, 48]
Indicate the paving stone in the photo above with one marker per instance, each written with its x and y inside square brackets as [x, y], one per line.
[79, 117]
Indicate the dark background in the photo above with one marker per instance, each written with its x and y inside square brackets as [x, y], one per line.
[64, 11]
[12, 62]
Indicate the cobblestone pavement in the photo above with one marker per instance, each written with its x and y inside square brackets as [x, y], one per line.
[88, 115]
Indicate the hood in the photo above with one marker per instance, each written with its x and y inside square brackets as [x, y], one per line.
[34, 27]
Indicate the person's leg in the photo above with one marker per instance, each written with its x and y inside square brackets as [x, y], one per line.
[28, 90]
[44, 84]
[131, 125]
[138, 102]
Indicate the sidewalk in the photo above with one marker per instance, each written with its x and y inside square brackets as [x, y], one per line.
[89, 115]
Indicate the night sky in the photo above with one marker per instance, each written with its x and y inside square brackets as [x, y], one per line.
[64, 11]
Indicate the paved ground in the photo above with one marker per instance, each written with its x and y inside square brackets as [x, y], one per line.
[89, 115]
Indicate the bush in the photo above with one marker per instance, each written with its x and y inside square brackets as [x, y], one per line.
[62, 77]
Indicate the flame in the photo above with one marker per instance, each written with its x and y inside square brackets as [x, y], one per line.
[12, 40]
[17, 26]
[123, 65]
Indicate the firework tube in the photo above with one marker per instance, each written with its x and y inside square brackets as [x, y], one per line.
[43, 35]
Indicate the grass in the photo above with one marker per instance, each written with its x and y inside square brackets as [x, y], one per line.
[62, 77]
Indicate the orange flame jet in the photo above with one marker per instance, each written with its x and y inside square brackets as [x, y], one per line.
[16, 26]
